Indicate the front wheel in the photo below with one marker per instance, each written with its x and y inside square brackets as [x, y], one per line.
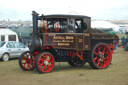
[26, 62]
[100, 56]
[44, 62]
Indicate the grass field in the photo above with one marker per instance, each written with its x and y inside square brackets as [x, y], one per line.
[115, 74]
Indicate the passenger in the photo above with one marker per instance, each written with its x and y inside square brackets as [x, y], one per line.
[42, 28]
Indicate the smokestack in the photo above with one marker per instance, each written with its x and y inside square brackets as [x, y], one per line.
[35, 21]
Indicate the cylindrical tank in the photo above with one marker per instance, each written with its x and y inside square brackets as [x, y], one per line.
[35, 44]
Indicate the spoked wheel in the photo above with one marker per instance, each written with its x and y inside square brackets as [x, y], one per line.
[26, 62]
[76, 61]
[44, 62]
[100, 56]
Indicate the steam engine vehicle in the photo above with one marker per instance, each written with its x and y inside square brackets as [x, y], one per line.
[66, 38]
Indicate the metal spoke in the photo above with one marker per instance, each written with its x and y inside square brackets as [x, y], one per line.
[103, 52]
[40, 66]
[98, 49]
[45, 57]
[98, 63]
[95, 58]
[49, 59]
[95, 53]
[44, 68]
[101, 65]
[24, 63]
[27, 66]
[49, 66]
[105, 58]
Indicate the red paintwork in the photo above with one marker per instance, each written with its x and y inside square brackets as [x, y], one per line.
[53, 46]
[67, 53]
[113, 45]
[57, 29]
[102, 56]
[43, 66]
[45, 47]
[73, 54]
[80, 56]
[36, 53]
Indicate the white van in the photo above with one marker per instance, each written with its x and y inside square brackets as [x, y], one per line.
[8, 35]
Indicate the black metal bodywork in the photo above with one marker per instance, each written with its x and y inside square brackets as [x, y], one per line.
[83, 38]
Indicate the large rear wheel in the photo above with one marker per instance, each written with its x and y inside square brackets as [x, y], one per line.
[26, 62]
[44, 62]
[76, 61]
[100, 56]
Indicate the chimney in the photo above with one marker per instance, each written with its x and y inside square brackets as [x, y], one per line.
[35, 22]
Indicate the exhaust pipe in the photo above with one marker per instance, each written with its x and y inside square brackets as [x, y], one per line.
[35, 22]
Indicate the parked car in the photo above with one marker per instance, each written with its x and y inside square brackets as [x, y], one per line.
[11, 49]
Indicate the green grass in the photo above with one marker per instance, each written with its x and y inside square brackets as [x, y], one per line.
[115, 74]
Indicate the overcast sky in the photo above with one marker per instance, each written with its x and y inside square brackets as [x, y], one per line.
[97, 9]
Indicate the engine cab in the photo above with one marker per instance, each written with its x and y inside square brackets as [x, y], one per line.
[61, 32]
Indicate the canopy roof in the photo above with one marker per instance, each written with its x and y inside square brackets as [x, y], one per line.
[6, 31]
[104, 25]
[63, 16]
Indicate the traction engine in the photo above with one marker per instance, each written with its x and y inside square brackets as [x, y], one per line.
[66, 38]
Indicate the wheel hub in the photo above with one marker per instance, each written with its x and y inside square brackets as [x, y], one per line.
[29, 57]
[100, 56]
[46, 62]
[5, 58]
[28, 61]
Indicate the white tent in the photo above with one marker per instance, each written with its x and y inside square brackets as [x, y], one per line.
[104, 25]
[6, 33]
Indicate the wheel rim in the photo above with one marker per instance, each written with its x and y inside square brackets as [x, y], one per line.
[102, 56]
[5, 57]
[46, 62]
[27, 61]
